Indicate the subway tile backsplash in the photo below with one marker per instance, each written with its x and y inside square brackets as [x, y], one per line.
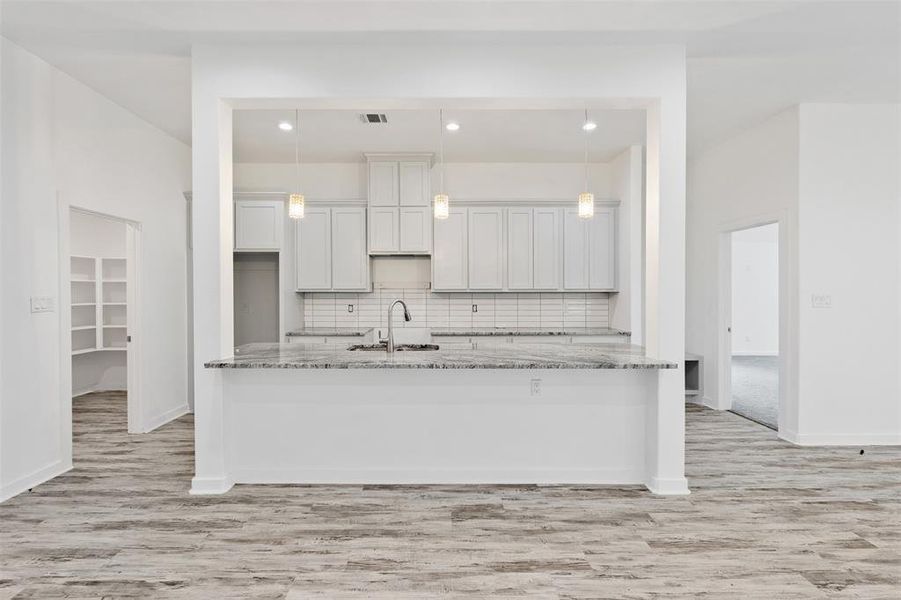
[552, 310]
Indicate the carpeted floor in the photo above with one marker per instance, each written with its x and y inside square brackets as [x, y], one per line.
[755, 388]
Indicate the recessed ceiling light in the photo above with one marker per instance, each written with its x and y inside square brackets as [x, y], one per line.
[589, 126]
[285, 126]
[453, 126]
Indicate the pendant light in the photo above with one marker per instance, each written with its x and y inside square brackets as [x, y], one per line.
[442, 202]
[296, 200]
[586, 198]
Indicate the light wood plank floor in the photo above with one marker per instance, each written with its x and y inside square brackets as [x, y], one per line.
[765, 520]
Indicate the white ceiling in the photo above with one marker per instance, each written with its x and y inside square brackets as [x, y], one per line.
[747, 59]
[484, 135]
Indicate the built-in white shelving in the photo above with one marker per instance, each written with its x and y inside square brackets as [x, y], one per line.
[98, 304]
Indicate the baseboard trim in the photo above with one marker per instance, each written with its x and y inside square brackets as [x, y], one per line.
[755, 354]
[675, 486]
[26, 482]
[166, 417]
[332, 476]
[840, 439]
[209, 486]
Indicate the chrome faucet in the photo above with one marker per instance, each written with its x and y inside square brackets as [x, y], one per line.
[407, 317]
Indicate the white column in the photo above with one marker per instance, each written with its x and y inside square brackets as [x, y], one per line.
[665, 291]
[212, 229]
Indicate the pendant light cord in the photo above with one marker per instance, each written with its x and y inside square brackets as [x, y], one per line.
[441, 147]
[297, 149]
[587, 138]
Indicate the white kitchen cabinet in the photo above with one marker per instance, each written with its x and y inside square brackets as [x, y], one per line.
[350, 261]
[520, 249]
[449, 254]
[414, 185]
[575, 251]
[547, 248]
[383, 230]
[486, 248]
[383, 188]
[602, 249]
[258, 225]
[399, 191]
[331, 250]
[589, 261]
[313, 244]
[415, 230]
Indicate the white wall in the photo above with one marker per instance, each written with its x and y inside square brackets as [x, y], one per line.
[471, 181]
[849, 250]
[59, 137]
[829, 174]
[755, 291]
[92, 235]
[627, 186]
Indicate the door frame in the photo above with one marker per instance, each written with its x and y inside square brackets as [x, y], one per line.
[134, 277]
[724, 308]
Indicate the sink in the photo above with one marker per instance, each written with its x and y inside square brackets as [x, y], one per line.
[397, 348]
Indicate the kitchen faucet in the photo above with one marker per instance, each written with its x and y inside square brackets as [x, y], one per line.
[407, 317]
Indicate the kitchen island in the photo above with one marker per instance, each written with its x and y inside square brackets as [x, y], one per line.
[488, 412]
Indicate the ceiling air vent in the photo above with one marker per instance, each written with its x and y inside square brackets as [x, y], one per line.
[373, 118]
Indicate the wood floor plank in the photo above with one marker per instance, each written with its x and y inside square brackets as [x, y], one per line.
[765, 520]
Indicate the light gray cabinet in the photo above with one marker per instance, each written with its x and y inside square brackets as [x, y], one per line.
[258, 225]
[589, 258]
[399, 217]
[331, 250]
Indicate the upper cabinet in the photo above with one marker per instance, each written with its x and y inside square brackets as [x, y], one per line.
[331, 250]
[525, 249]
[399, 216]
[450, 267]
[258, 225]
[589, 259]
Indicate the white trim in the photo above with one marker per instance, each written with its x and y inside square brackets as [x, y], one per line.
[668, 487]
[776, 353]
[27, 482]
[206, 486]
[840, 439]
[166, 417]
[392, 476]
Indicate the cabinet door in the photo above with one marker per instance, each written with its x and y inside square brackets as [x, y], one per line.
[414, 183]
[415, 230]
[547, 249]
[258, 225]
[575, 251]
[602, 249]
[519, 248]
[350, 260]
[313, 245]
[383, 183]
[486, 248]
[449, 265]
[383, 229]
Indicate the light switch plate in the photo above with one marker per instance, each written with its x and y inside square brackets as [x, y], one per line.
[41, 304]
[820, 301]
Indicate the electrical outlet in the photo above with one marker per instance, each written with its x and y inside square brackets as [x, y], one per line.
[350, 308]
[820, 301]
[42, 304]
[475, 308]
[536, 387]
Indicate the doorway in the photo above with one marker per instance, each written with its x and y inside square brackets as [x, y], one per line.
[100, 266]
[754, 350]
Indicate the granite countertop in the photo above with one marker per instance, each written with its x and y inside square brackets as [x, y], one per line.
[330, 331]
[481, 355]
[490, 331]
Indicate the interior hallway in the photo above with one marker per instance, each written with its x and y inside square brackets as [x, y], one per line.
[765, 519]
[755, 388]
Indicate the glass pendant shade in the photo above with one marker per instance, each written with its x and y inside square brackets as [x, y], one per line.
[442, 206]
[295, 206]
[586, 205]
